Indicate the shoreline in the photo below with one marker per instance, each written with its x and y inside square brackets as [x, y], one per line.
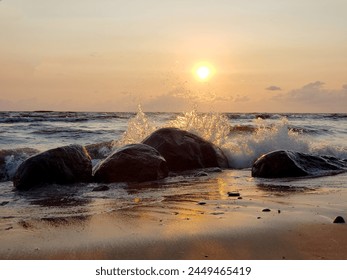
[298, 226]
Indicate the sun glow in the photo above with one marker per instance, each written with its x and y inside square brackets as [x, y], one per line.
[203, 71]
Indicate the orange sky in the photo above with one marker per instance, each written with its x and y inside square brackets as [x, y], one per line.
[110, 55]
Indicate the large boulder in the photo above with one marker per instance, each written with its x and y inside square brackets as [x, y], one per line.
[281, 163]
[185, 151]
[10, 160]
[63, 165]
[131, 163]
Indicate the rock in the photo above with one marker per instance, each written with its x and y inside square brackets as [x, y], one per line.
[63, 165]
[10, 160]
[266, 210]
[281, 163]
[202, 203]
[185, 151]
[339, 220]
[233, 194]
[131, 163]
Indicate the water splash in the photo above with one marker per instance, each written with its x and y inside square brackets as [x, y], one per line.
[241, 147]
[139, 127]
[212, 126]
[242, 150]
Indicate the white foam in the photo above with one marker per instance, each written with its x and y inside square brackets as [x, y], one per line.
[241, 149]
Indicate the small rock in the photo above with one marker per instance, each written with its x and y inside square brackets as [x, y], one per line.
[266, 210]
[4, 203]
[258, 218]
[101, 188]
[202, 203]
[234, 194]
[279, 211]
[8, 228]
[339, 220]
[217, 213]
[240, 197]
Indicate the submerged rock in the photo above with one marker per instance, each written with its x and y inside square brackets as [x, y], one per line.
[10, 159]
[131, 163]
[63, 165]
[281, 163]
[184, 150]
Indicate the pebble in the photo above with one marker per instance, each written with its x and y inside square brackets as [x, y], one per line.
[202, 203]
[339, 220]
[266, 210]
[233, 194]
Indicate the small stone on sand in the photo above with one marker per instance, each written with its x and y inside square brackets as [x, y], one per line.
[339, 220]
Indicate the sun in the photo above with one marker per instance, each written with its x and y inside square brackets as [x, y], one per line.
[203, 72]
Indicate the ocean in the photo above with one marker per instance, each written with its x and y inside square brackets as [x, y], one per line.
[242, 136]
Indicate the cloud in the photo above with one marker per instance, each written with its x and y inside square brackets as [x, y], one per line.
[273, 88]
[241, 98]
[314, 97]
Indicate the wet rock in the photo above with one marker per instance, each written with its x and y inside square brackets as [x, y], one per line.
[101, 189]
[10, 159]
[63, 165]
[339, 220]
[185, 151]
[281, 163]
[131, 163]
[233, 194]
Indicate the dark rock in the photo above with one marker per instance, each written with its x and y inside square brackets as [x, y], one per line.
[266, 210]
[4, 203]
[101, 189]
[63, 165]
[11, 159]
[280, 164]
[202, 203]
[184, 150]
[233, 194]
[339, 220]
[131, 163]
[239, 197]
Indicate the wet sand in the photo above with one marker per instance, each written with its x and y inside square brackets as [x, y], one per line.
[298, 226]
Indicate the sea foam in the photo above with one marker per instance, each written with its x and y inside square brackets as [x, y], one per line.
[241, 146]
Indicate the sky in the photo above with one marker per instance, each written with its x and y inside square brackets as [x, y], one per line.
[111, 55]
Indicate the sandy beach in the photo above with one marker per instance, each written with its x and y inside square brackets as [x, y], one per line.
[297, 224]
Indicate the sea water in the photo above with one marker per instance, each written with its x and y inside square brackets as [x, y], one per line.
[242, 136]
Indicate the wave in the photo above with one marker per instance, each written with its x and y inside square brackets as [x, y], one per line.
[242, 137]
[10, 160]
[242, 144]
[52, 116]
